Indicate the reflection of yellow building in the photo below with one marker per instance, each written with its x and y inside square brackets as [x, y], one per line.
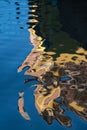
[75, 106]
[43, 102]
[61, 50]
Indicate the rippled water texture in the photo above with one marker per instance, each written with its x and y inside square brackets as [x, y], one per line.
[52, 87]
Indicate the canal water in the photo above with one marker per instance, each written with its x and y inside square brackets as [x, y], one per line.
[15, 46]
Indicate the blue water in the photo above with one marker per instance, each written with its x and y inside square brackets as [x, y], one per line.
[64, 78]
[14, 47]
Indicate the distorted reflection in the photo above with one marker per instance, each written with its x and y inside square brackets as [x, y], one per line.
[21, 106]
[59, 65]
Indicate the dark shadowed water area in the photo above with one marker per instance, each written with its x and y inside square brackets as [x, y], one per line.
[15, 45]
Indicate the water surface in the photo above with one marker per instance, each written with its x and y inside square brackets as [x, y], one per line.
[15, 45]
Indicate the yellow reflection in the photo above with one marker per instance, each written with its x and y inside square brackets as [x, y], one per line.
[76, 107]
[33, 10]
[65, 57]
[40, 62]
[43, 102]
[33, 20]
[81, 51]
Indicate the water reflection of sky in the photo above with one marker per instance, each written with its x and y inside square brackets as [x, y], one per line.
[14, 47]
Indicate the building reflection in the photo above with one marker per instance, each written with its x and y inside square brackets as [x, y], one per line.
[58, 63]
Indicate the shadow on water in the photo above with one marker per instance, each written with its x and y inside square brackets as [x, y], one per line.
[73, 16]
[58, 61]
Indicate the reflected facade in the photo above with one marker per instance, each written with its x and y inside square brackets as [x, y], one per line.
[58, 62]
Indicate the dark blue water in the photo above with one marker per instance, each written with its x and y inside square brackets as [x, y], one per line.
[14, 47]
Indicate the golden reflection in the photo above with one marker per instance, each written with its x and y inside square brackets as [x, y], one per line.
[76, 58]
[81, 51]
[75, 106]
[43, 102]
[61, 77]
[33, 21]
